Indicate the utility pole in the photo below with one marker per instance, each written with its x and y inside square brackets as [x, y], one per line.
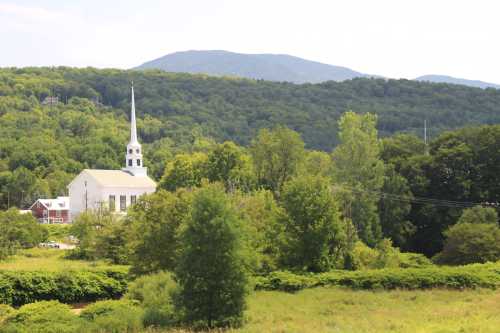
[86, 197]
[425, 138]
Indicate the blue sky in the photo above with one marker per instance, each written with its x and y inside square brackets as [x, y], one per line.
[386, 37]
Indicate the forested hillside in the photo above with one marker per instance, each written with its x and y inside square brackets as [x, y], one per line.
[43, 146]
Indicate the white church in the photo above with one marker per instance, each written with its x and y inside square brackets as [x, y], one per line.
[115, 189]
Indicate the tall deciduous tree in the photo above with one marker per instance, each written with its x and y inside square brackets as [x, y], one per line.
[228, 163]
[395, 207]
[314, 232]
[357, 168]
[211, 270]
[186, 170]
[277, 155]
[153, 225]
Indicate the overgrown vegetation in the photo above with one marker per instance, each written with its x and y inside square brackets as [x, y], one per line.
[23, 287]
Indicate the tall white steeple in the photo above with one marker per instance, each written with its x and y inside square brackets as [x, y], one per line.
[133, 156]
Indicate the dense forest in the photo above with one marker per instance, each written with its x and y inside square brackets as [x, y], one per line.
[182, 118]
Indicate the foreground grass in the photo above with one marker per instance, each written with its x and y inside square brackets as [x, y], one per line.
[42, 259]
[343, 310]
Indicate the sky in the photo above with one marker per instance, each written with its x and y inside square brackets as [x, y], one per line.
[397, 39]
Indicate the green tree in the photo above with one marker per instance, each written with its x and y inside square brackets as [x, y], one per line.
[211, 273]
[278, 155]
[314, 232]
[228, 163]
[153, 225]
[394, 207]
[262, 229]
[358, 169]
[184, 171]
[19, 231]
[101, 235]
[468, 243]
[479, 214]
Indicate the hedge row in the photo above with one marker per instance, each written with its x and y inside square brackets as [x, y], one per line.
[470, 276]
[19, 287]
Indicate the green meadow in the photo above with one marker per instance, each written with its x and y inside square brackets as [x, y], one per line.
[347, 311]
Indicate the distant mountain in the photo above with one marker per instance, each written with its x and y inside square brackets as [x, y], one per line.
[454, 80]
[271, 67]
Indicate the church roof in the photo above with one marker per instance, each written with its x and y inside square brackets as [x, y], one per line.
[119, 178]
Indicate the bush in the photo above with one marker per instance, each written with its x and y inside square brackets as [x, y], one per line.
[45, 316]
[19, 231]
[113, 317]
[19, 288]
[384, 255]
[5, 311]
[471, 276]
[155, 294]
[57, 232]
[470, 243]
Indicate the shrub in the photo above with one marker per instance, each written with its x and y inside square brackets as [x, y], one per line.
[470, 243]
[57, 232]
[22, 287]
[45, 316]
[471, 276]
[155, 294]
[113, 317]
[384, 255]
[5, 311]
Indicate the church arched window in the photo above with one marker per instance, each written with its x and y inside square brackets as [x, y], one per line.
[138, 162]
[130, 162]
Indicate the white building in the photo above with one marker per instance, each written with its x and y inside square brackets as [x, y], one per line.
[116, 189]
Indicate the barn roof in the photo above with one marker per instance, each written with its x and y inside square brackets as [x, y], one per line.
[119, 178]
[60, 203]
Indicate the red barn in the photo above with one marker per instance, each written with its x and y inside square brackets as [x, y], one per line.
[51, 210]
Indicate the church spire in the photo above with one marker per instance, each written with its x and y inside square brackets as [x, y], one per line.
[133, 156]
[133, 126]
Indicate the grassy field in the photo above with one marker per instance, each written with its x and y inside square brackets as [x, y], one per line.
[343, 310]
[42, 259]
[347, 311]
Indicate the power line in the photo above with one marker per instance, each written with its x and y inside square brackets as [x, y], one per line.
[418, 200]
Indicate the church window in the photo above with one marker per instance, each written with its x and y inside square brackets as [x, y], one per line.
[138, 162]
[112, 203]
[123, 203]
[137, 151]
[130, 151]
[130, 162]
[133, 199]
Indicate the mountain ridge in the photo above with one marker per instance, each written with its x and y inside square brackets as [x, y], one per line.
[270, 67]
[275, 67]
[454, 80]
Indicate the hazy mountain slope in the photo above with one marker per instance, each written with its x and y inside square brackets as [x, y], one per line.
[271, 67]
[454, 80]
